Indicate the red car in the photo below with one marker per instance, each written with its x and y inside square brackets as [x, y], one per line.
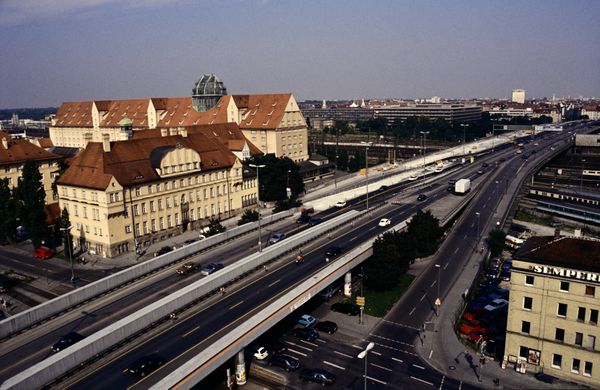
[468, 329]
[471, 318]
[43, 253]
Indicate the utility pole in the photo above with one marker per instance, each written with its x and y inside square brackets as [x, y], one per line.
[258, 202]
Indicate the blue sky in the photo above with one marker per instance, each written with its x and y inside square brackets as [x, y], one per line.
[64, 50]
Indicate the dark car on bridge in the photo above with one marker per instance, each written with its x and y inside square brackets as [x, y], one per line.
[210, 268]
[317, 375]
[305, 334]
[145, 365]
[346, 308]
[163, 250]
[286, 362]
[332, 252]
[66, 341]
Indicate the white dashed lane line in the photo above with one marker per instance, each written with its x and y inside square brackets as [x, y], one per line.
[381, 367]
[398, 360]
[412, 311]
[343, 354]
[297, 352]
[417, 366]
[333, 365]
[421, 380]
[376, 380]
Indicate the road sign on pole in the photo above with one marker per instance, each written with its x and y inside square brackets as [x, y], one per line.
[360, 301]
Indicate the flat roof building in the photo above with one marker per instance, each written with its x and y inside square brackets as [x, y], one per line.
[553, 308]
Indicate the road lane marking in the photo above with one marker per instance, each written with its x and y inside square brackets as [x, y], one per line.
[398, 360]
[423, 297]
[321, 341]
[299, 346]
[236, 305]
[382, 367]
[343, 354]
[191, 331]
[333, 365]
[298, 352]
[275, 282]
[376, 353]
[412, 311]
[442, 384]
[421, 380]
[433, 283]
[446, 266]
[309, 343]
[456, 250]
[430, 353]
[416, 365]
[357, 347]
[375, 380]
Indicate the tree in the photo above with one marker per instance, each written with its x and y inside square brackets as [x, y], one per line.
[214, 226]
[425, 231]
[62, 167]
[248, 216]
[496, 241]
[8, 211]
[393, 252]
[67, 238]
[30, 193]
[274, 178]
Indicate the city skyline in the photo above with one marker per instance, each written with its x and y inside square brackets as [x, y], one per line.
[67, 51]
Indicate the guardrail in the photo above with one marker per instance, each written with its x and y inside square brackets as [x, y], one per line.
[93, 345]
[63, 302]
[201, 365]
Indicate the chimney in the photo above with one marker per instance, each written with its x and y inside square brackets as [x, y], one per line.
[5, 143]
[163, 132]
[87, 138]
[106, 142]
[183, 132]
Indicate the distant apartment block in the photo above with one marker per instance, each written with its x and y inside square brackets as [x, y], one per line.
[518, 96]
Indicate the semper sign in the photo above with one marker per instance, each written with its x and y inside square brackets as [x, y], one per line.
[566, 273]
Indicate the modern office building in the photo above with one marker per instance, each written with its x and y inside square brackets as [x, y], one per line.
[272, 122]
[518, 96]
[125, 195]
[450, 112]
[553, 308]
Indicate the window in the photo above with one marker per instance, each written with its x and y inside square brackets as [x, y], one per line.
[579, 339]
[556, 360]
[161, 223]
[593, 316]
[564, 286]
[153, 225]
[527, 303]
[143, 207]
[575, 365]
[135, 210]
[590, 290]
[127, 228]
[138, 192]
[562, 310]
[523, 352]
[168, 201]
[587, 369]
[137, 229]
[159, 204]
[525, 327]
[145, 227]
[529, 280]
[581, 314]
[591, 344]
[559, 335]
[152, 206]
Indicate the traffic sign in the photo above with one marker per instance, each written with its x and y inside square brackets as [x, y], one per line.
[360, 301]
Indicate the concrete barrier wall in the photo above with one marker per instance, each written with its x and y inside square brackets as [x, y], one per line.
[228, 346]
[56, 365]
[61, 303]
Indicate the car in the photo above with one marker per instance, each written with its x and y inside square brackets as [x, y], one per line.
[328, 327]
[484, 165]
[452, 182]
[421, 197]
[145, 365]
[317, 375]
[303, 218]
[332, 252]
[346, 308]
[276, 237]
[66, 341]
[496, 304]
[307, 320]
[286, 362]
[383, 188]
[190, 241]
[524, 157]
[480, 171]
[276, 348]
[210, 268]
[340, 204]
[43, 253]
[533, 151]
[540, 376]
[383, 222]
[314, 221]
[505, 275]
[450, 188]
[306, 334]
[163, 250]
[261, 353]
[412, 178]
[186, 268]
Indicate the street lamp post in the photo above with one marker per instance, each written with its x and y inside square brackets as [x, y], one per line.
[438, 301]
[258, 202]
[478, 215]
[464, 126]
[424, 133]
[67, 229]
[367, 144]
[581, 179]
[363, 355]
[288, 190]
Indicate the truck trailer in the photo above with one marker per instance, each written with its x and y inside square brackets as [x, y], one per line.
[462, 186]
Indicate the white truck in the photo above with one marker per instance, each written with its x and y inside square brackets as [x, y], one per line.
[462, 186]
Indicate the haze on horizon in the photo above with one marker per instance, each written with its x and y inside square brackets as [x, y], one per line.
[69, 50]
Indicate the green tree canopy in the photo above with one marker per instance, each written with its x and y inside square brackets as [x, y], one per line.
[496, 242]
[273, 178]
[425, 231]
[8, 211]
[247, 217]
[393, 252]
[31, 195]
[215, 226]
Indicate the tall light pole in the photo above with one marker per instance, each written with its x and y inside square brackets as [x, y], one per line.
[478, 215]
[438, 301]
[581, 180]
[258, 202]
[363, 355]
[424, 133]
[67, 230]
[288, 190]
[464, 126]
[367, 144]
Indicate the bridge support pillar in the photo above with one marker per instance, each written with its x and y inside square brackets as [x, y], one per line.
[240, 368]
